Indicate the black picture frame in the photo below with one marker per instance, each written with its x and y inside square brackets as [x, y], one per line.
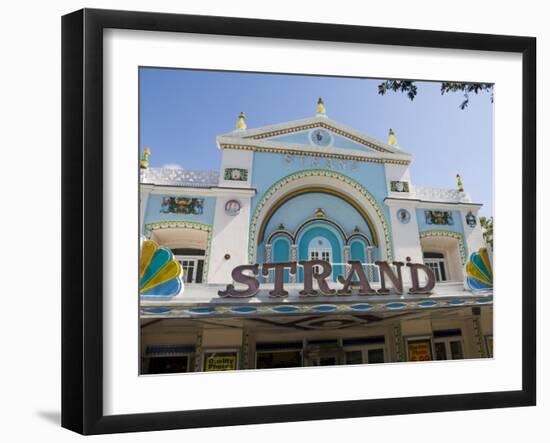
[82, 218]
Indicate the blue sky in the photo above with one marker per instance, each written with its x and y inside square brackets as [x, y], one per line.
[182, 112]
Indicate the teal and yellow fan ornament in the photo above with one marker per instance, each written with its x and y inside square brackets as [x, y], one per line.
[479, 272]
[160, 274]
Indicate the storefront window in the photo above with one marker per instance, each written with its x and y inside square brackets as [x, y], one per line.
[440, 351]
[354, 357]
[448, 344]
[359, 350]
[456, 350]
[326, 361]
[376, 355]
[168, 365]
[167, 359]
[278, 359]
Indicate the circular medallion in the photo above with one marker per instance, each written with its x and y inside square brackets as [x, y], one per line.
[232, 207]
[320, 137]
[403, 216]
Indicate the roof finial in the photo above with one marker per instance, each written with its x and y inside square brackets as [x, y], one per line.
[144, 162]
[392, 139]
[321, 111]
[459, 184]
[241, 122]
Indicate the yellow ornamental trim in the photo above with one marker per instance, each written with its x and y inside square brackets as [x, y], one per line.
[317, 125]
[312, 154]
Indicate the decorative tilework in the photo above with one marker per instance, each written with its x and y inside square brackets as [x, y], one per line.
[309, 308]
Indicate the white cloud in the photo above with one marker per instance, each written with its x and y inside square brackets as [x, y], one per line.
[172, 166]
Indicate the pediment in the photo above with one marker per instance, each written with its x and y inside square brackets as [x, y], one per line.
[317, 134]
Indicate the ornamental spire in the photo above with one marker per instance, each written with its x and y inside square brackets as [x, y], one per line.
[392, 139]
[459, 184]
[241, 122]
[144, 162]
[321, 111]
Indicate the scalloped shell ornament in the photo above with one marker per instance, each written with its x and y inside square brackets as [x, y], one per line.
[160, 274]
[479, 272]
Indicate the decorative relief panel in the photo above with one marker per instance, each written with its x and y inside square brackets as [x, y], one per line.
[182, 205]
[235, 174]
[399, 186]
[403, 216]
[439, 217]
[471, 220]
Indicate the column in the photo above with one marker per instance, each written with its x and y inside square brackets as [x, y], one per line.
[198, 351]
[370, 265]
[245, 350]
[268, 259]
[478, 339]
[294, 258]
[398, 342]
[346, 257]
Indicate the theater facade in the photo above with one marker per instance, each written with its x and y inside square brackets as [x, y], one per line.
[311, 189]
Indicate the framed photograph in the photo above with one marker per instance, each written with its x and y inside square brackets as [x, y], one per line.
[270, 221]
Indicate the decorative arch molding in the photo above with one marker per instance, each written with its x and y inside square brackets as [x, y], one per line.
[150, 227]
[317, 190]
[320, 220]
[449, 234]
[270, 198]
[280, 233]
[292, 236]
[359, 235]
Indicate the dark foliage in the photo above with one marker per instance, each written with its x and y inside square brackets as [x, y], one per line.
[409, 87]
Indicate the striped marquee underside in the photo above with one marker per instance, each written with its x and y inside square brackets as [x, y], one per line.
[262, 309]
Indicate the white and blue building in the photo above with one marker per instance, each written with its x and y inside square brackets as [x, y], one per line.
[300, 190]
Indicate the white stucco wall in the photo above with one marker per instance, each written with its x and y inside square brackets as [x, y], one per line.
[232, 158]
[229, 236]
[397, 173]
[406, 242]
[472, 236]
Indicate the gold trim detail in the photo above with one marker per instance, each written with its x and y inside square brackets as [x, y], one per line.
[312, 154]
[322, 125]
